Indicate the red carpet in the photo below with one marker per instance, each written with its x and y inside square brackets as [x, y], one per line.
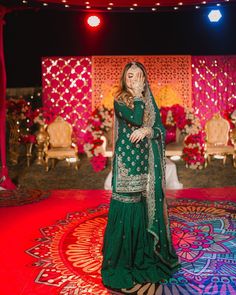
[54, 246]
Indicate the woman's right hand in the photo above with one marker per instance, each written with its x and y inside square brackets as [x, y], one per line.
[137, 85]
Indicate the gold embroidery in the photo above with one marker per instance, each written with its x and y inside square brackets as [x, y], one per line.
[149, 112]
[162, 156]
[151, 204]
[126, 182]
[126, 199]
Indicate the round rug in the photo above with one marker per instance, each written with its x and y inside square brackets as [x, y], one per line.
[68, 254]
[21, 196]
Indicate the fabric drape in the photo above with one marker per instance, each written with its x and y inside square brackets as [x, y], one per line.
[5, 181]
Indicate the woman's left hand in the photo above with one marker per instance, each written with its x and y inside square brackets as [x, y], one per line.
[137, 135]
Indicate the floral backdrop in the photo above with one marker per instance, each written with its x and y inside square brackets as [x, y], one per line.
[213, 86]
[74, 86]
[67, 91]
[80, 89]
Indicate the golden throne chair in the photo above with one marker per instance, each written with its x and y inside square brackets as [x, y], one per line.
[60, 144]
[217, 139]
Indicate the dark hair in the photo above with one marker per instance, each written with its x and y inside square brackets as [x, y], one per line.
[122, 93]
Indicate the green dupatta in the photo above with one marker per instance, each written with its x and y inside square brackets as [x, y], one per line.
[158, 219]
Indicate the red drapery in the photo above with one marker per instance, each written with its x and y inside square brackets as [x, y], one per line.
[5, 180]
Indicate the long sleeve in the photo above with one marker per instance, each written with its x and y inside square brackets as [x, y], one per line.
[133, 116]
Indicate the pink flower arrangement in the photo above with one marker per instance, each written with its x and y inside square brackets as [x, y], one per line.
[98, 162]
[88, 136]
[99, 123]
[182, 118]
[185, 120]
[194, 150]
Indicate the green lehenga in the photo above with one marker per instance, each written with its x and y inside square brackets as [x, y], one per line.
[128, 248]
[137, 243]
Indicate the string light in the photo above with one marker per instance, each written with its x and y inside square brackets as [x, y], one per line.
[110, 6]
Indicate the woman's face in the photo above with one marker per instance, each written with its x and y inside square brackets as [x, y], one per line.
[133, 74]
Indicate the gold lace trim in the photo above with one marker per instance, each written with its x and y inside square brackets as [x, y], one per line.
[149, 112]
[126, 199]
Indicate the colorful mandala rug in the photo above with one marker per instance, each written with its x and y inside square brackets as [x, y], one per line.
[68, 254]
[21, 196]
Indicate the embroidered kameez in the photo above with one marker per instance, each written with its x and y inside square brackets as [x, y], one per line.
[137, 243]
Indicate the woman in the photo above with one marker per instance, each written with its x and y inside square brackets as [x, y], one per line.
[137, 245]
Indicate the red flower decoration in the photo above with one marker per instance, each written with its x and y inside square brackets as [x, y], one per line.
[99, 122]
[98, 162]
[178, 116]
